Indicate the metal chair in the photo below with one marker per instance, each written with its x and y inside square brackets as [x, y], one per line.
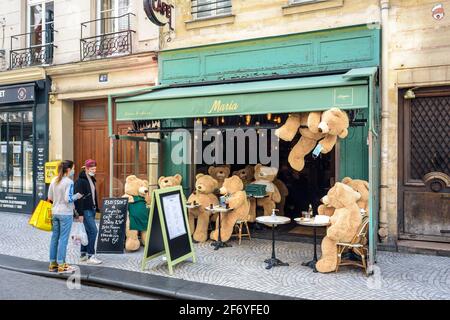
[238, 228]
[358, 245]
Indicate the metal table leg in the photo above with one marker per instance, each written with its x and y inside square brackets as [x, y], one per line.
[273, 261]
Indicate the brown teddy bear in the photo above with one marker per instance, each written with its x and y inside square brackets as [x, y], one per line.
[247, 174]
[361, 186]
[344, 224]
[313, 127]
[236, 198]
[136, 190]
[265, 175]
[172, 181]
[204, 196]
[220, 173]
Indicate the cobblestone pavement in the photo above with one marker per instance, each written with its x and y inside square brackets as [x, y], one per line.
[398, 275]
[28, 287]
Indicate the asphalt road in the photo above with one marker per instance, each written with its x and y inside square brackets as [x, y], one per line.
[15, 285]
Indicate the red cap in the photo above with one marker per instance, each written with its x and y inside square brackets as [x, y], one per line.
[90, 163]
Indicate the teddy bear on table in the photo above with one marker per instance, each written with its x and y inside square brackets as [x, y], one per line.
[345, 223]
[171, 181]
[137, 192]
[203, 196]
[236, 198]
[318, 130]
[266, 176]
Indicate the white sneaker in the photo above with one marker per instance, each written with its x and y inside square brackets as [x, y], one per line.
[94, 260]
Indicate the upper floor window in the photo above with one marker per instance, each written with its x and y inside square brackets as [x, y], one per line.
[40, 22]
[210, 8]
[112, 16]
[305, 1]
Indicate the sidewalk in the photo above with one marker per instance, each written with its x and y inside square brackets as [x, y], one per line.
[403, 276]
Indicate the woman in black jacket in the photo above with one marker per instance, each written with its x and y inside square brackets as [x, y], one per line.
[86, 208]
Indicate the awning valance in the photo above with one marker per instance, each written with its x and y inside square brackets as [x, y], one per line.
[252, 97]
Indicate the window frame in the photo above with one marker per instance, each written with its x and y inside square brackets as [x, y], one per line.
[213, 12]
[44, 23]
[115, 12]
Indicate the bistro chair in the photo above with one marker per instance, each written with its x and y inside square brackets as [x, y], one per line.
[358, 245]
[238, 229]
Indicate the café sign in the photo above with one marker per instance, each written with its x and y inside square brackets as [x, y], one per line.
[159, 12]
[16, 94]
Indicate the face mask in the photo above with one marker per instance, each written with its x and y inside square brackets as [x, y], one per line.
[72, 173]
[91, 174]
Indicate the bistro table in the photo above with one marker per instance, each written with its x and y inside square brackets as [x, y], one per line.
[313, 224]
[219, 209]
[273, 221]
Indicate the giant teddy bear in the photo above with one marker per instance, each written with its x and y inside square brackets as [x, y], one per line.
[236, 198]
[136, 190]
[345, 222]
[246, 174]
[266, 176]
[361, 186]
[220, 173]
[171, 181]
[205, 197]
[315, 128]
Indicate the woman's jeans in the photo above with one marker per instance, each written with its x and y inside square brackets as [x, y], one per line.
[91, 230]
[61, 224]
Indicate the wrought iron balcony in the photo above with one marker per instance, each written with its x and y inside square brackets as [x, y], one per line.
[107, 44]
[32, 55]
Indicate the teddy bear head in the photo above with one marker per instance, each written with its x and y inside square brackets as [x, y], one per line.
[232, 185]
[361, 186]
[265, 173]
[136, 187]
[205, 184]
[334, 122]
[219, 172]
[171, 181]
[245, 174]
[341, 196]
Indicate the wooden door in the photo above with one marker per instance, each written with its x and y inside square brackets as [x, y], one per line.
[91, 140]
[424, 165]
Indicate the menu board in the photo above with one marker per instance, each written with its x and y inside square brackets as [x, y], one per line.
[174, 214]
[111, 235]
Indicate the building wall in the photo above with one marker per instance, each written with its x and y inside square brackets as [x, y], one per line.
[255, 19]
[419, 49]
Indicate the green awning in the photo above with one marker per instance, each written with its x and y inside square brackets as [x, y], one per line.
[253, 97]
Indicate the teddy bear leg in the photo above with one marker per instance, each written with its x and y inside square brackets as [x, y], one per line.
[328, 260]
[301, 149]
[252, 211]
[267, 204]
[143, 237]
[288, 131]
[226, 228]
[201, 230]
[191, 219]
[132, 240]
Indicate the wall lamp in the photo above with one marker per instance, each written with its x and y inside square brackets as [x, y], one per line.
[410, 94]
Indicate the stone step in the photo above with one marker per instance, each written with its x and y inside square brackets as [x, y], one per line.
[424, 247]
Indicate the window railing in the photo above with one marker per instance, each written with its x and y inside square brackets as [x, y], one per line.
[109, 43]
[33, 54]
[210, 8]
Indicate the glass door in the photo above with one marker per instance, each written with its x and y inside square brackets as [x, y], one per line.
[40, 29]
[16, 152]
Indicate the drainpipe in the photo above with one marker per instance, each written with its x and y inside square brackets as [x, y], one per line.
[384, 187]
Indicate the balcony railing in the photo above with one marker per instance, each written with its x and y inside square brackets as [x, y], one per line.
[107, 44]
[32, 55]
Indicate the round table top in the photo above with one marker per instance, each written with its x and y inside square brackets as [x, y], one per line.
[273, 220]
[218, 209]
[257, 197]
[192, 206]
[311, 223]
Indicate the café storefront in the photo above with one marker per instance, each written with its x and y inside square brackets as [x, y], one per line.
[256, 84]
[23, 145]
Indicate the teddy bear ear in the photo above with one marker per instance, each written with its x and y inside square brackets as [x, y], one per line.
[131, 178]
[343, 134]
[199, 175]
[179, 178]
[160, 179]
[211, 170]
[346, 180]
[366, 184]
[258, 167]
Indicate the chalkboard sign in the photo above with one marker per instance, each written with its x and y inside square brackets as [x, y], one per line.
[111, 234]
[168, 228]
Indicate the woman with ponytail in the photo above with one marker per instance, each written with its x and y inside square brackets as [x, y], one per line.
[62, 197]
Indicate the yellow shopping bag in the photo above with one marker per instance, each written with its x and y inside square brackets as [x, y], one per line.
[42, 216]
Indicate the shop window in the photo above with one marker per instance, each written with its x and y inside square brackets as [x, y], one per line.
[16, 152]
[112, 16]
[210, 8]
[93, 113]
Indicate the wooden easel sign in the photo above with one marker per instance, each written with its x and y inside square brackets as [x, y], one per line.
[168, 228]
